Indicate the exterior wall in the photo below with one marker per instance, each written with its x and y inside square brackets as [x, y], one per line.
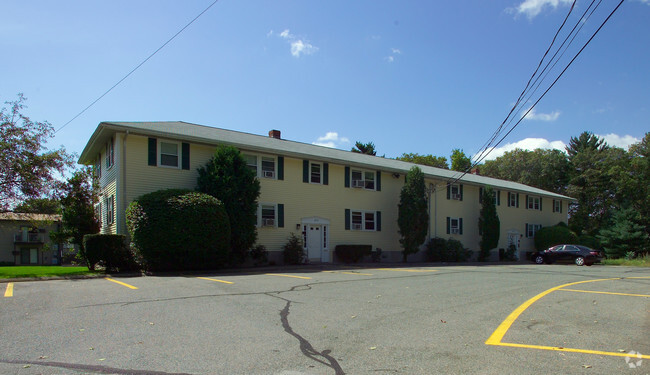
[303, 201]
[47, 250]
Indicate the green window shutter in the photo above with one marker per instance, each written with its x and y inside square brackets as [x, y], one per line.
[378, 182]
[540, 203]
[526, 229]
[461, 192]
[347, 219]
[448, 191]
[326, 173]
[448, 225]
[280, 215]
[153, 152]
[480, 195]
[460, 225]
[378, 221]
[347, 177]
[185, 155]
[560, 206]
[526, 203]
[280, 167]
[553, 206]
[509, 198]
[517, 200]
[498, 197]
[305, 171]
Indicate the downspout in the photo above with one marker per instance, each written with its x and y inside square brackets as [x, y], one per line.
[429, 190]
[123, 210]
[435, 211]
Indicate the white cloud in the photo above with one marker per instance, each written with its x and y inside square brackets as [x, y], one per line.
[396, 51]
[299, 46]
[526, 144]
[390, 59]
[532, 8]
[616, 140]
[331, 140]
[533, 115]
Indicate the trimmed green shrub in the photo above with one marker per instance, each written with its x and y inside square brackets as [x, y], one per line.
[175, 229]
[109, 250]
[555, 235]
[451, 250]
[352, 253]
[293, 251]
[589, 241]
[259, 255]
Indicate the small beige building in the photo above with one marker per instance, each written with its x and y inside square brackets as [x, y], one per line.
[326, 196]
[25, 239]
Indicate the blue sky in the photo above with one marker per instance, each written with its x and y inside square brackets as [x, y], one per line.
[411, 76]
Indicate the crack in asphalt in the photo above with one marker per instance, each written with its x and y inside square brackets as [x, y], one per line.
[306, 347]
[93, 368]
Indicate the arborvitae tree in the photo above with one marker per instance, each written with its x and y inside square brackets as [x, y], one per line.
[227, 178]
[413, 219]
[488, 224]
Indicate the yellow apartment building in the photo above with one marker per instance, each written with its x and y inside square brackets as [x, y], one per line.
[326, 196]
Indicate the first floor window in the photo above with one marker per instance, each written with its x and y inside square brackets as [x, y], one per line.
[531, 229]
[110, 209]
[364, 220]
[454, 225]
[268, 215]
[169, 154]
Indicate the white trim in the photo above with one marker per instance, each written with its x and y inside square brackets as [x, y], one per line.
[178, 154]
[265, 222]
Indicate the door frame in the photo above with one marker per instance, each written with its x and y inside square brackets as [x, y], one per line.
[325, 255]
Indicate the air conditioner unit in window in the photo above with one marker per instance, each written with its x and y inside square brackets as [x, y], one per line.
[358, 183]
[356, 226]
[454, 231]
[455, 196]
[269, 174]
[268, 222]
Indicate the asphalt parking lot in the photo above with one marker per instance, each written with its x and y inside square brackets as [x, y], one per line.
[499, 319]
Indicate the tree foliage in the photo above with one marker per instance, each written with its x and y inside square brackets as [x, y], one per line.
[227, 177]
[624, 235]
[429, 160]
[459, 161]
[27, 169]
[489, 224]
[555, 235]
[39, 206]
[413, 219]
[78, 196]
[364, 148]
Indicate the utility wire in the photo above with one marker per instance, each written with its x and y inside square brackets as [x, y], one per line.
[137, 67]
[542, 96]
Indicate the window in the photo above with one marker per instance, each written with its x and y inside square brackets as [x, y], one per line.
[364, 220]
[557, 205]
[496, 195]
[513, 199]
[363, 179]
[454, 225]
[110, 209]
[315, 173]
[268, 167]
[169, 154]
[251, 162]
[98, 167]
[534, 203]
[531, 229]
[268, 216]
[110, 154]
[98, 212]
[455, 192]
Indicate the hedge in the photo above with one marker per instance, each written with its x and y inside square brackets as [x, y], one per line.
[110, 250]
[555, 235]
[176, 230]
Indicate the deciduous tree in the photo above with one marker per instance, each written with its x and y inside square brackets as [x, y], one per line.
[459, 161]
[429, 160]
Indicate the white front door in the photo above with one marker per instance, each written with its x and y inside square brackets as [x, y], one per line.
[314, 236]
[513, 239]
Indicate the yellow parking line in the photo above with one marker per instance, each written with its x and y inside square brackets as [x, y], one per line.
[350, 273]
[217, 280]
[404, 270]
[616, 294]
[121, 283]
[297, 277]
[10, 290]
[497, 335]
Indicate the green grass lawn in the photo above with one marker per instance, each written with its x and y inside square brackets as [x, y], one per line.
[638, 262]
[11, 272]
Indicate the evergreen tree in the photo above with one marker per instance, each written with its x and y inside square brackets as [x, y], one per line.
[364, 148]
[227, 178]
[413, 219]
[624, 234]
[489, 224]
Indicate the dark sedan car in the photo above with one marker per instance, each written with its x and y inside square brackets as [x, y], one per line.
[578, 254]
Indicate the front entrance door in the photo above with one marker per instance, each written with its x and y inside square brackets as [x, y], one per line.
[314, 235]
[513, 239]
[28, 256]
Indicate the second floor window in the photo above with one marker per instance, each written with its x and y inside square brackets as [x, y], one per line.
[110, 153]
[169, 154]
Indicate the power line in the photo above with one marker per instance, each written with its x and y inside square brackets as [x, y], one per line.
[487, 151]
[137, 67]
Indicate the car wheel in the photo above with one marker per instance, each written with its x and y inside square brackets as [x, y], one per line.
[539, 259]
[580, 261]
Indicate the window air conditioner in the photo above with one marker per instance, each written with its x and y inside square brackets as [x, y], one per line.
[358, 184]
[268, 222]
[454, 231]
[269, 174]
[455, 196]
[356, 226]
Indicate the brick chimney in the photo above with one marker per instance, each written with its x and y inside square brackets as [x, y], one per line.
[476, 171]
[274, 134]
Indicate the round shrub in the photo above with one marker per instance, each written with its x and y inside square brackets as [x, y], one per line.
[293, 252]
[555, 235]
[175, 230]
